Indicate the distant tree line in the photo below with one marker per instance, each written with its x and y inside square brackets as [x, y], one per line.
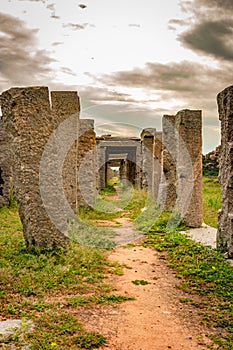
[210, 163]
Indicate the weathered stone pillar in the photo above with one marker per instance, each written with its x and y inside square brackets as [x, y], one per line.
[188, 125]
[29, 124]
[147, 139]
[225, 221]
[100, 165]
[151, 160]
[157, 165]
[169, 158]
[65, 105]
[6, 176]
[86, 167]
[123, 169]
[182, 166]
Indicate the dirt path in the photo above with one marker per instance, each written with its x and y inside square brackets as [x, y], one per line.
[156, 319]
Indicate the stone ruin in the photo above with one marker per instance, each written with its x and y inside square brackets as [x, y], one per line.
[57, 163]
[225, 220]
[182, 165]
[38, 127]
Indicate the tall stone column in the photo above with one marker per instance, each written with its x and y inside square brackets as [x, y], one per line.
[225, 220]
[86, 166]
[100, 165]
[169, 158]
[188, 126]
[151, 160]
[157, 165]
[66, 107]
[147, 159]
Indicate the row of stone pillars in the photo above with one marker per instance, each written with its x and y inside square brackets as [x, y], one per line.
[50, 155]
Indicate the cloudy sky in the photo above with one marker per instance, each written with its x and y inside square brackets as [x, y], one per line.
[130, 60]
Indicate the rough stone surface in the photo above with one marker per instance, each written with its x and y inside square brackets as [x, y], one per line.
[86, 163]
[169, 158]
[29, 124]
[12, 331]
[6, 176]
[65, 104]
[189, 166]
[151, 160]
[182, 166]
[225, 108]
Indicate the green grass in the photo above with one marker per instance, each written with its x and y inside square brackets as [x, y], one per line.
[140, 282]
[203, 272]
[97, 299]
[211, 201]
[129, 204]
[89, 235]
[41, 287]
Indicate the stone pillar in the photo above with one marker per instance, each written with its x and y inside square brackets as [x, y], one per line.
[169, 157]
[225, 220]
[29, 124]
[123, 169]
[147, 159]
[100, 166]
[157, 165]
[182, 166]
[138, 168]
[151, 160]
[87, 182]
[65, 104]
[6, 175]
[188, 126]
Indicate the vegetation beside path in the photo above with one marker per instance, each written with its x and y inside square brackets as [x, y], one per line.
[48, 288]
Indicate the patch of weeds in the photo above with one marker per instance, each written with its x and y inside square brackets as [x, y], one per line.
[116, 269]
[89, 235]
[148, 216]
[140, 282]
[98, 299]
[185, 300]
[88, 214]
[134, 207]
[90, 340]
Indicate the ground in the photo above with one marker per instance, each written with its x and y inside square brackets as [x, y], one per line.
[156, 319]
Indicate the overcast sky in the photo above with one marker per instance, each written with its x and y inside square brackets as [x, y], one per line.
[130, 60]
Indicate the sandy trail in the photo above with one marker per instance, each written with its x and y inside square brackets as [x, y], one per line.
[155, 320]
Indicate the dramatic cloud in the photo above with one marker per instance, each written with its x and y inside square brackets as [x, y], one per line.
[181, 78]
[214, 38]
[172, 86]
[20, 60]
[209, 27]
